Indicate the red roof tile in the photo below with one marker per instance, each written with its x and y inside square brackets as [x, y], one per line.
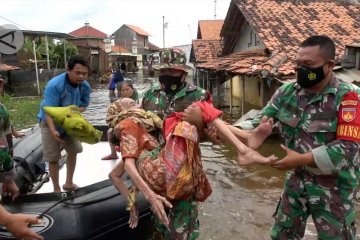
[283, 25]
[246, 62]
[209, 29]
[205, 50]
[137, 30]
[88, 31]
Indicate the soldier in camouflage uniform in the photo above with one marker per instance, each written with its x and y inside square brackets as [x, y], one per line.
[173, 94]
[17, 224]
[323, 168]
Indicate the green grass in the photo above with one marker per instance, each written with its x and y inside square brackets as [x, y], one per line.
[23, 110]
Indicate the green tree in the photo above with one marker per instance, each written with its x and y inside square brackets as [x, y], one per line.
[26, 53]
[56, 53]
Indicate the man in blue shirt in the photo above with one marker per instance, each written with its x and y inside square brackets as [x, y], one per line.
[70, 88]
[115, 82]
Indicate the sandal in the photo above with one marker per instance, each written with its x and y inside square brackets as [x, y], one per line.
[70, 189]
[109, 157]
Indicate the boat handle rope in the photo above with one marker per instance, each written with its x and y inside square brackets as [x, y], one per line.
[66, 196]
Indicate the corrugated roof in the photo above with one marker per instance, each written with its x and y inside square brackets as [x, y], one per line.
[88, 31]
[209, 29]
[43, 33]
[137, 30]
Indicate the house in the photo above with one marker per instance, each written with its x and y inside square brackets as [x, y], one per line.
[207, 46]
[209, 29]
[350, 64]
[122, 58]
[274, 29]
[91, 43]
[135, 40]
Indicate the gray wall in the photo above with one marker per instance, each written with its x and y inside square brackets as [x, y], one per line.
[248, 40]
[124, 36]
[23, 83]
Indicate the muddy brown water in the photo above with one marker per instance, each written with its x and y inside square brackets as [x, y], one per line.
[243, 199]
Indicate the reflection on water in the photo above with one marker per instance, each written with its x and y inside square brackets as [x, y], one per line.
[243, 199]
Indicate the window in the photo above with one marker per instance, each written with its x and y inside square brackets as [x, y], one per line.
[251, 38]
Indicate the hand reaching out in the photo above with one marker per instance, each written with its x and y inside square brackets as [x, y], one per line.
[18, 224]
[293, 159]
[134, 217]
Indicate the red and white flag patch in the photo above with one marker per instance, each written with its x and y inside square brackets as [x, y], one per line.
[348, 127]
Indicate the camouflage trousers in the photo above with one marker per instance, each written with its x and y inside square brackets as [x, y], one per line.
[330, 204]
[184, 222]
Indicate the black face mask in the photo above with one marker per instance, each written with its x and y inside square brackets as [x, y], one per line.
[308, 77]
[171, 84]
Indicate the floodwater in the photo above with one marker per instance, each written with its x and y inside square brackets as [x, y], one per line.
[243, 199]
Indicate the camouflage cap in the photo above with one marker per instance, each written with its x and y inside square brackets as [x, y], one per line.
[173, 58]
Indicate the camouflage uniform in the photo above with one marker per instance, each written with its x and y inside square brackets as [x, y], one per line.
[7, 172]
[157, 101]
[308, 122]
[183, 216]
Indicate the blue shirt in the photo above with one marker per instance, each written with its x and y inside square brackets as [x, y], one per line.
[115, 80]
[60, 93]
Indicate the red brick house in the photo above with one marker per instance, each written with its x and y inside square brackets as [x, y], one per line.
[91, 43]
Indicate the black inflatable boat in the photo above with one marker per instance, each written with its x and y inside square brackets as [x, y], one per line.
[96, 211]
[93, 212]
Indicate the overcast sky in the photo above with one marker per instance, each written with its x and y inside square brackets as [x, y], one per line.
[108, 15]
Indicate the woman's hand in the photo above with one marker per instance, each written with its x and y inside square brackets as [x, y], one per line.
[134, 217]
[212, 136]
[192, 115]
[158, 204]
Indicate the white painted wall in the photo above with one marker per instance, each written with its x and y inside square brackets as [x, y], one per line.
[248, 40]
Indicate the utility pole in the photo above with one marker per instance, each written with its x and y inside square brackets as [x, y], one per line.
[215, 9]
[190, 33]
[163, 31]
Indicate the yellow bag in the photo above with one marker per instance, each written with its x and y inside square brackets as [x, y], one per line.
[71, 120]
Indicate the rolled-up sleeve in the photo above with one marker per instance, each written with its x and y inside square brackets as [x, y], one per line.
[336, 155]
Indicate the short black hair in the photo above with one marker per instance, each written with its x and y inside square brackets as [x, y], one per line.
[127, 82]
[326, 44]
[77, 59]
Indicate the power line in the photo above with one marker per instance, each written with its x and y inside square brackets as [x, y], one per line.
[14, 23]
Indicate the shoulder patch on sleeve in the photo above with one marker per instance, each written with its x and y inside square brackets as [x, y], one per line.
[348, 127]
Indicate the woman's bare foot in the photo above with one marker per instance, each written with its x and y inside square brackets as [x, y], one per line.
[259, 134]
[110, 157]
[252, 156]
